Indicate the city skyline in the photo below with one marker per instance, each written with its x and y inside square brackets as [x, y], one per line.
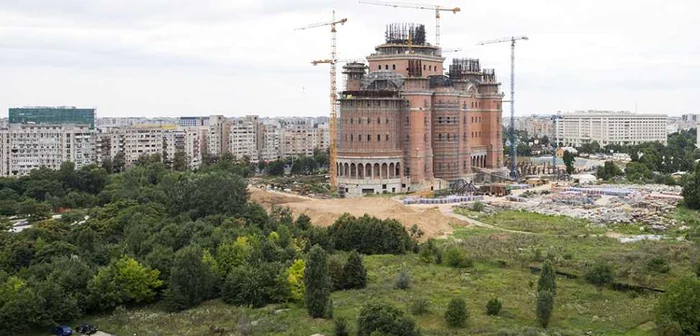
[168, 59]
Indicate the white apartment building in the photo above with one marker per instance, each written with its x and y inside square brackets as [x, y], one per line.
[29, 146]
[218, 135]
[271, 138]
[243, 137]
[303, 138]
[605, 127]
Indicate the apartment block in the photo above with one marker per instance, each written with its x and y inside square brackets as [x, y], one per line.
[608, 127]
[244, 137]
[30, 146]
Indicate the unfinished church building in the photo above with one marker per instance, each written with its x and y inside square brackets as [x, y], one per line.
[405, 126]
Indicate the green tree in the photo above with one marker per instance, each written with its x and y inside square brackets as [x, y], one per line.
[637, 171]
[295, 280]
[547, 280]
[242, 287]
[123, 281]
[191, 279]
[600, 274]
[456, 314]
[681, 304]
[33, 209]
[335, 270]
[493, 307]
[385, 319]
[354, 273]
[608, 170]
[545, 306]
[569, 160]
[232, 254]
[691, 189]
[317, 282]
[180, 161]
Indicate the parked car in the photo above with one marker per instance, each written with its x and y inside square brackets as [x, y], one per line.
[86, 329]
[62, 331]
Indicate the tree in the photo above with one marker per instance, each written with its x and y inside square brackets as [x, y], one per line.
[317, 282]
[456, 257]
[191, 279]
[636, 171]
[33, 209]
[608, 171]
[295, 280]
[691, 189]
[600, 274]
[545, 306]
[232, 254]
[385, 319]
[456, 314]
[276, 168]
[354, 273]
[681, 304]
[180, 161]
[335, 270]
[547, 280]
[243, 287]
[123, 281]
[403, 280]
[119, 162]
[569, 160]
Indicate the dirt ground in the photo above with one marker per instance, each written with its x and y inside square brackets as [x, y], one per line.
[324, 212]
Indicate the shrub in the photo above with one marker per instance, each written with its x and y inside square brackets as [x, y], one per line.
[457, 257]
[456, 314]
[425, 254]
[242, 287]
[478, 206]
[493, 307]
[335, 270]
[354, 273]
[545, 306]
[341, 327]
[420, 306]
[384, 319]
[600, 274]
[658, 265]
[681, 304]
[697, 270]
[370, 235]
[403, 280]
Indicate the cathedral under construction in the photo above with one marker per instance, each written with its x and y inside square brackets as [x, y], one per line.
[406, 125]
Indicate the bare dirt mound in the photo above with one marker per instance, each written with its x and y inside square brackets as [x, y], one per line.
[325, 212]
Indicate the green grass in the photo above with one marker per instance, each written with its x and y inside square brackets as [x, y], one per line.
[536, 223]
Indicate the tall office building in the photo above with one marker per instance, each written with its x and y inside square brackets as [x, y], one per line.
[52, 115]
[403, 123]
[608, 127]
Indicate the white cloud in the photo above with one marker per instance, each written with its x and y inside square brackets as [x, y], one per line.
[179, 57]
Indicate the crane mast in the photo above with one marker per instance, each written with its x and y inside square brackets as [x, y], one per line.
[511, 129]
[332, 150]
[436, 8]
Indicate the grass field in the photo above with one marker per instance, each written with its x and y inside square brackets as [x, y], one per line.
[536, 223]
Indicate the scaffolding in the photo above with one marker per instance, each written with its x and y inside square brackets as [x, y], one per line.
[405, 33]
[462, 67]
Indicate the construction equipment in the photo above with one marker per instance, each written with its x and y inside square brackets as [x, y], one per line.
[332, 169]
[511, 130]
[437, 10]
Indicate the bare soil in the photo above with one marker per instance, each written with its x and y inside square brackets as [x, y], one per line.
[323, 212]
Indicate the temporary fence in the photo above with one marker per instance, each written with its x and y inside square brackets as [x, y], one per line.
[602, 191]
[443, 200]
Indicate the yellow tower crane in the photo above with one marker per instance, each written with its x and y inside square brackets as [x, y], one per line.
[332, 169]
[435, 8]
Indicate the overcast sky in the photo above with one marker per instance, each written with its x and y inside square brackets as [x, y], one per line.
[236, 57]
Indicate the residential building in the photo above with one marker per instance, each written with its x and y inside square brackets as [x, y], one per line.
[271, 142]
[244, 136]
[406, 126]
[218, 138]
[607, 127]
[30, 146]
[535, 126]
[193, 121]
[52, 115]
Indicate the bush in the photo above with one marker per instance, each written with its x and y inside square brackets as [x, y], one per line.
[420, 306]
[456, 314]
[457, 257]
[384, 319]
[354, 273]
[493, 307]
[658, 265]
[242, 287]
[478, 206]
[341, 327]
[403, 280]
[547, 280]
[697, 270]
[370, 235]
[335, 270]
[600, 274]
[681, 304]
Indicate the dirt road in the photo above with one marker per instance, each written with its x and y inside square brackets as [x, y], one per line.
[324, 212]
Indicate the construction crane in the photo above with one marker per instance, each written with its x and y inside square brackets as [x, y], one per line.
[511, 130]
[332, 169]
[435, 8]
